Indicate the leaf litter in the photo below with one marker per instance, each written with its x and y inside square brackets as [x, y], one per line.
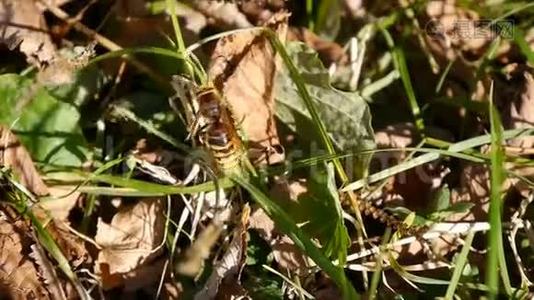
[210, 232]
[25, 242]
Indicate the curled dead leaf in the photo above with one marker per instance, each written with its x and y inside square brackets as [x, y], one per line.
[286, 253]
[454, 32]
[222, 14]
[17, 272]
[61, 201]
[48, 272]
[131, 240]
[22, 25]
[261, 11]
[14, 155]
[243, 66]
[328, 51]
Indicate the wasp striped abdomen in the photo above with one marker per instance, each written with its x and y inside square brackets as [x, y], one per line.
[224, 146]
[220, 136]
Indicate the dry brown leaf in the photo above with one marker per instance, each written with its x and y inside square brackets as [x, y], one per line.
[17, 272]
[475, 188]
[15, 156]
[137, 12]
[53, 2]
[289, 257]
[62, 69]
[286, 254]
[172, 290]
[456, 34]
[48, 272]
[396, 136]
[136, 25]
[243, 68]
[229, 268]
[130, 241]
[329, 52]
[23, 25]
[452, 31]
[72, 246]
[263, 224]
[62, 200]
[224, 15]
[355, 7]
[258, 12]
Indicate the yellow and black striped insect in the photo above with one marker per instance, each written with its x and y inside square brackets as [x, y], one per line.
[212, 123]
[218, 132]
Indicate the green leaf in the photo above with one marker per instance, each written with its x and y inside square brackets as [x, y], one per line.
[346, 115]
[47, 127]
[260, 284]
[441, 199]
[459, 207]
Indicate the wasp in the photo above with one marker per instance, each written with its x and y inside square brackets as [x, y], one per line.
[219, 133]
[212, 123]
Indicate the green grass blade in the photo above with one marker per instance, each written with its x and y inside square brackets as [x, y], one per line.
[510, 13]
[400, 63]
[521, 42]
[309, 14]
[460, 263]
[125, 113]
[369, 90]
[308, 101]
[489, 55]
[159, 189]
[145, 50]
[375, 279]
[53, 249]
[323, 13]
[411, 277]
[171, 6]
[285, 224]
[22, 199]
[119, 192]
[307, 162]
[425, 158]
[443, 76]
[496, 249]
[191, 68]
